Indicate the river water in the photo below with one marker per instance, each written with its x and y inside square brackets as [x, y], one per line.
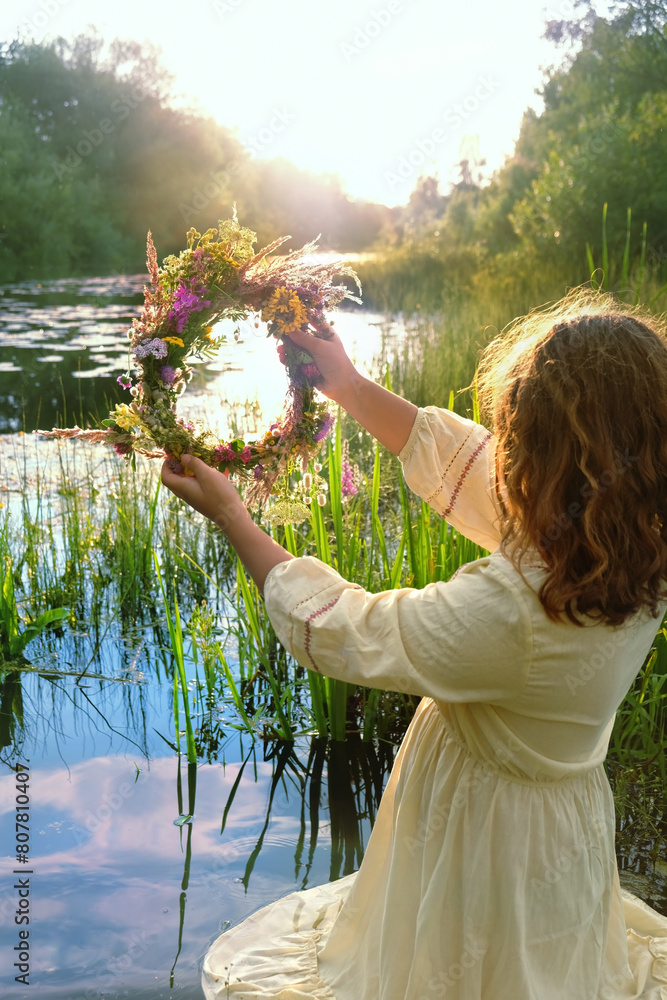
[124, 902]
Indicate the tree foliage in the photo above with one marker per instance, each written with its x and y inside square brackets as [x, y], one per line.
[601, 138]
[93, 154]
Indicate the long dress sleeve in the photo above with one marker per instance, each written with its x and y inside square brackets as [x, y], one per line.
[449, 462]
[430, 642]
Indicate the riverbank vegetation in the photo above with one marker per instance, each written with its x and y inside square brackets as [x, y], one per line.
[92, 145]
[585, 194]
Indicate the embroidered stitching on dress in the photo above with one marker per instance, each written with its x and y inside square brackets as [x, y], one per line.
[316, 614]
[429, 500]
[466, 469]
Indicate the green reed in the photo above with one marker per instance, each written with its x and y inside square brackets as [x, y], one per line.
[180, 680]
[382, 538]
[83, 540]
[638, 285]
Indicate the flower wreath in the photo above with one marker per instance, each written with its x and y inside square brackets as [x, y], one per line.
[219, 276]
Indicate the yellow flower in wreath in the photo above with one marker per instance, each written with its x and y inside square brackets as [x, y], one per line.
[125, 417]
[286, 310]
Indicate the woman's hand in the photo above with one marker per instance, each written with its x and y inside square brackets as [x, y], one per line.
[338, 372]
[388, 417]
[205, 489]
[211, 493]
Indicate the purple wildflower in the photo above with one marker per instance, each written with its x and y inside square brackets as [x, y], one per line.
[258, 471]
[347, 484]
[324, 428]
[156, 347]
[349, 474]
[168, 374]
[186, 301]
[124, 380]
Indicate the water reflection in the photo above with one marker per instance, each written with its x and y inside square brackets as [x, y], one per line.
[128, 901]
[57, 338]
[64, 342]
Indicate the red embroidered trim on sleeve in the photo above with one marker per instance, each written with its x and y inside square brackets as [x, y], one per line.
[316, 614]
[466, 469]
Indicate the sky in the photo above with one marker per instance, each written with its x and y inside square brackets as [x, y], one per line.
[374, 92]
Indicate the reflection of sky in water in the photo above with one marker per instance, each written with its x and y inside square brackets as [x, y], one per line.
[108, 866]
[249, 372]
[107, 858]
[63, 343]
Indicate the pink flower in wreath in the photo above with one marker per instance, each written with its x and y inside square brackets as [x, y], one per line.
[245, 455]
[224, 453]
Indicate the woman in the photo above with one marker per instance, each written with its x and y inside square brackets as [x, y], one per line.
[490, 872]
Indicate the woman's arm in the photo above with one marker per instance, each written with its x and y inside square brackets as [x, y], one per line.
[388, 417]
[211, 493]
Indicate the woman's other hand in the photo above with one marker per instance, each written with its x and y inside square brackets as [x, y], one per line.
[337, 371]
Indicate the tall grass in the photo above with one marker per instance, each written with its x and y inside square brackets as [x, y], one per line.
[642, 284]
[349, 533]
[452, 305]
[84, 540]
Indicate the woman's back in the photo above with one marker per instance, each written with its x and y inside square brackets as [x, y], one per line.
[575, 679]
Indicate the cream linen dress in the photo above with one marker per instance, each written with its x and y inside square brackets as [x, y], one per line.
[490, 873]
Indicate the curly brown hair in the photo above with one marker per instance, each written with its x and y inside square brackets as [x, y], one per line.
[577, 398]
